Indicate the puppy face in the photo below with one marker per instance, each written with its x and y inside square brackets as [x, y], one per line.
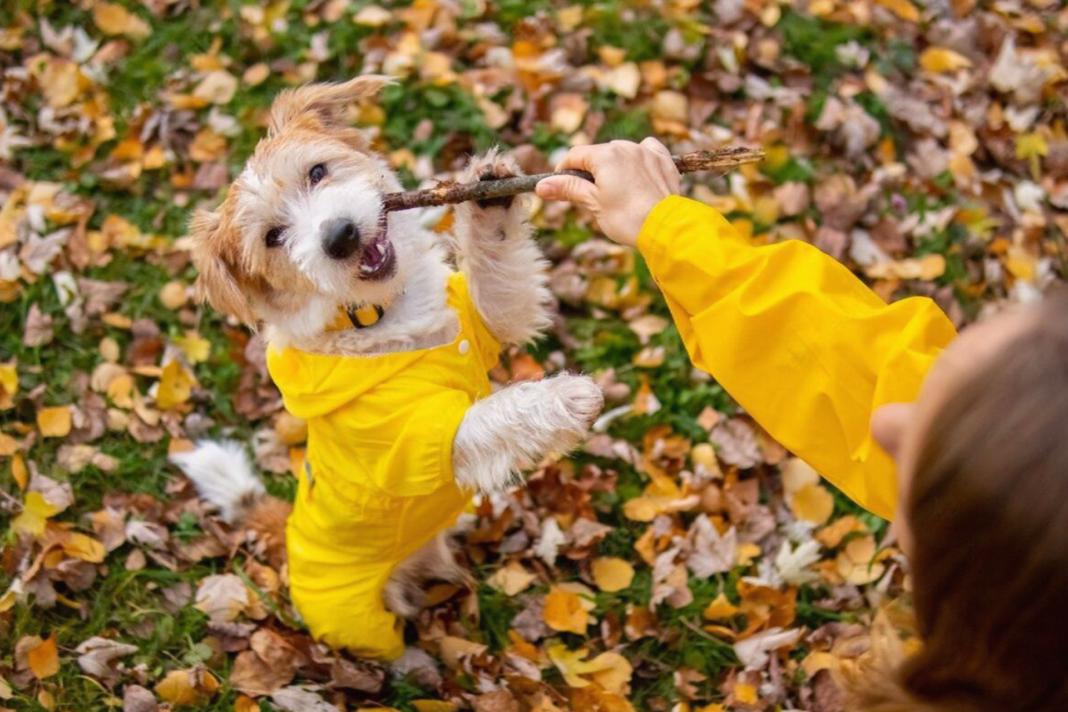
[302, 229]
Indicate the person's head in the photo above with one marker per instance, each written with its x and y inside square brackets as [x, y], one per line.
[983, 462]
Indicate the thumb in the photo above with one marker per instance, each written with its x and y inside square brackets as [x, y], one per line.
[570, 188]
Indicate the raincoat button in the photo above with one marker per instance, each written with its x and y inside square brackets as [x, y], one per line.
[465, 346]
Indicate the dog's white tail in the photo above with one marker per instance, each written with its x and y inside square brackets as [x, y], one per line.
[223, 476]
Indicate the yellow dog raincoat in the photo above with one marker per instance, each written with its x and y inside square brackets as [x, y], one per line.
[379, 481]
[796, 339]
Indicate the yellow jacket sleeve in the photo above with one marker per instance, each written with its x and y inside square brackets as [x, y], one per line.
[796, 339]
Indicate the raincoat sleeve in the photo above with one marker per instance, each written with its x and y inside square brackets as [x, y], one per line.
[796, 339]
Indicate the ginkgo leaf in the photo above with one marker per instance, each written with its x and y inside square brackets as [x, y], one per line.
[55, 422]
[611, 574]
[610, 671]
[175, 386]
[195, 347]
[564, 611]
[35, 513]
[812, 503]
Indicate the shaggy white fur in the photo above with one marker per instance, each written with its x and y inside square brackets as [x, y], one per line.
[516, 427]
[223, 475]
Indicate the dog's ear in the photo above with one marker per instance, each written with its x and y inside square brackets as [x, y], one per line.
[327, 100]
[216, 283]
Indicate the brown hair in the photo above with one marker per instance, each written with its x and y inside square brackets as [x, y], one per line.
[988, 506]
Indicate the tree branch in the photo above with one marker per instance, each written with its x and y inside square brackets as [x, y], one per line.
[449, 193]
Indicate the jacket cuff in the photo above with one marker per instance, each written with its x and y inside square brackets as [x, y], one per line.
[653, 240]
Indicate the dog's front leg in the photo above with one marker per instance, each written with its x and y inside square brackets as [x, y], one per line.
[505, 268]
[513, 429]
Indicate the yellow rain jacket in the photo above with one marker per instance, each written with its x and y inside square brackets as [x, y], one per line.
[796, 339]
[379, 481]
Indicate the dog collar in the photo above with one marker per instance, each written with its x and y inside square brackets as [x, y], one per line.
[356, 317]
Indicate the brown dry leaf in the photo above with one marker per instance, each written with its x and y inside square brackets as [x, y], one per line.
[511, 579]
[564, 611]
[217, 87]
[54, 422]
[223, 597]
[611, 574]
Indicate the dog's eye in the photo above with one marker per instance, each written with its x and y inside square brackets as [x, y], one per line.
[273, 238]
[317, 173]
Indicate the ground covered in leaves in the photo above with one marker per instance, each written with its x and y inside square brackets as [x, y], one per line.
[682, 559]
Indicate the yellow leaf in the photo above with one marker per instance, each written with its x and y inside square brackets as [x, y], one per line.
[195, 347]
[114, 19]
[9, 385]
[745, 693]
[902, 8]
[720, 609]
[1032, 147]
[564, 612]
[244, 703]
[18, 471]
[8, 445]
[812, 503]
[35, 512]
[610, 671]
[83, 547]
[940, 60]
[612, 574]
[433, 706]
[175, 386]
[43, 659]
[54, 422]
[187, 687]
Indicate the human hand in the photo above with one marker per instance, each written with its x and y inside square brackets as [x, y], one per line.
[631, 178]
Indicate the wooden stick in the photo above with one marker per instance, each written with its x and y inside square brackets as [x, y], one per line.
[449, 193]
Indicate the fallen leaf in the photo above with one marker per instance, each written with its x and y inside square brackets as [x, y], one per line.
[54, 422]
[114, 19]
[564, 612]
[34, 515]
[611, 574]
[43, 658]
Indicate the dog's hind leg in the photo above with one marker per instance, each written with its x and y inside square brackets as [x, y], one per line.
[505, 269]
[405, 594]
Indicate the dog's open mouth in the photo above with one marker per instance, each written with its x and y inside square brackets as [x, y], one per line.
[378, 261]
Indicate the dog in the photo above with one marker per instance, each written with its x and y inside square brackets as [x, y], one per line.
[383, 347]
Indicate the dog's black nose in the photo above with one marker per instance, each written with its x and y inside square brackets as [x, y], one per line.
[340, 237]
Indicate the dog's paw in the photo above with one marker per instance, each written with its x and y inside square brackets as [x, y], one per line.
[579, 401]
[492, 166]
